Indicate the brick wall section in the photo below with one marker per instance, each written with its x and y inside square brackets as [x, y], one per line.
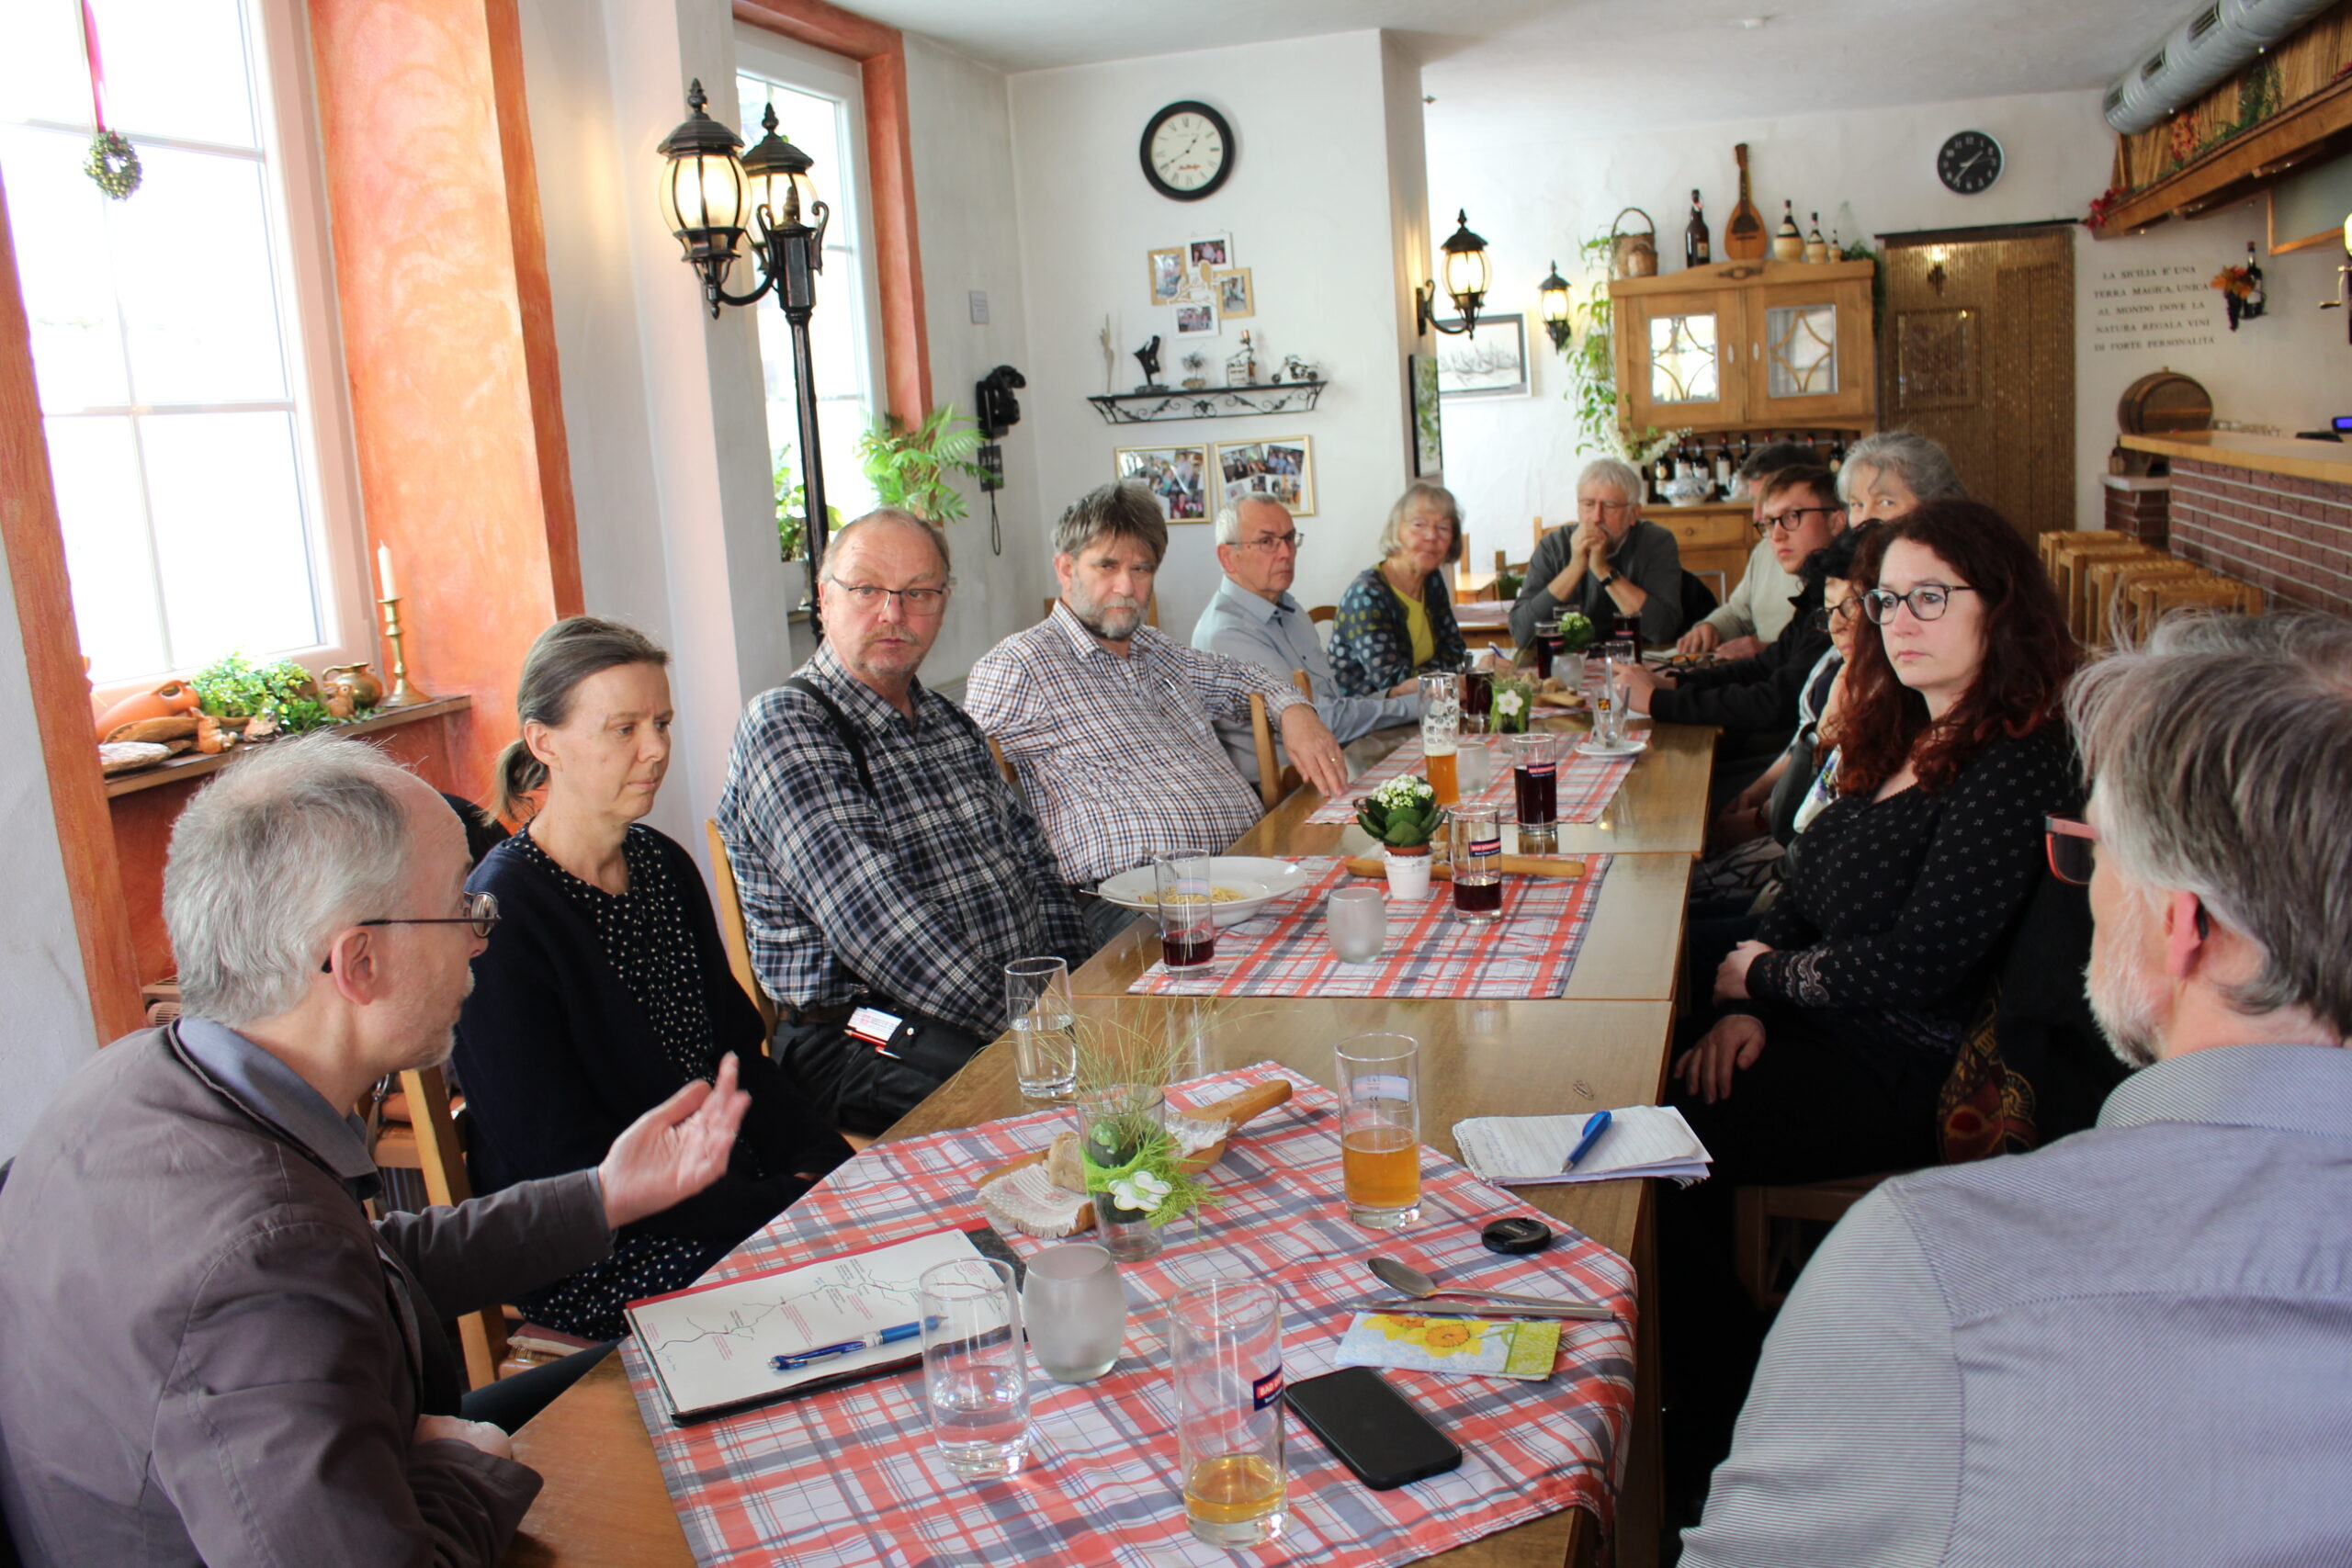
[2290, 537]
[2145, 514]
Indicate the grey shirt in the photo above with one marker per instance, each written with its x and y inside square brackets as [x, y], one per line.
[1760, 603]
[1277, 636]
[1647, 555]
[2132, 1346]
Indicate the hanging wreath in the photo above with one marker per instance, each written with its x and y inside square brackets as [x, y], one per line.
[113, 163]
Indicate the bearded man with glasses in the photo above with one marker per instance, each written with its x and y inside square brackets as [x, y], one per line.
[1613, 562]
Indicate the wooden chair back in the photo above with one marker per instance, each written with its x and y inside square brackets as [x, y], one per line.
[2149, 601]
[2109, 576]
[1274, 781]
[731, 928]
[1323, 615]
[419, 1133]
[2069, 555]
[1004, 763]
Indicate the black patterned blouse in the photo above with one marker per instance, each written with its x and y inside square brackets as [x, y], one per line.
[1372, 645]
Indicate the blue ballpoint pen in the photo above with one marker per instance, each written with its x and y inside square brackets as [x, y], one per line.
[846, 1347]
[1593, 1128]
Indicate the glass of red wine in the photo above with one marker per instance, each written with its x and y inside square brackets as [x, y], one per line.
[1477, 864]
[1186, 901]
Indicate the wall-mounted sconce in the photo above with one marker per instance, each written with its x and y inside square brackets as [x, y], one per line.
[711, 198]
[1554, 292]
[1936, 276]
[1466, 275]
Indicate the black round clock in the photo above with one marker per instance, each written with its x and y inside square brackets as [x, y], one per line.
[1969, 162]
[1187, 151]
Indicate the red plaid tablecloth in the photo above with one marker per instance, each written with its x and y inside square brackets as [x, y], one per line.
[1281, 951]
[1587, 784]
[849, 1477]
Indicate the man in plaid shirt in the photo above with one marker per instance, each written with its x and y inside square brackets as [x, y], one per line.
[881, 857]
[1111, 725]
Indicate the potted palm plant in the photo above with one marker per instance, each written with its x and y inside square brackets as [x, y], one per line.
[910, 468]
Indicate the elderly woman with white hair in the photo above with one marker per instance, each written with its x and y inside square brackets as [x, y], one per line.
[1886, 474]
[1613, 562]
[1395, 619]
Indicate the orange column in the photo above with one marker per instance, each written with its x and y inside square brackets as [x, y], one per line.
[448, 342]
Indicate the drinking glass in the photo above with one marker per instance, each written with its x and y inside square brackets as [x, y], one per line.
[1569, 670]
[1441, 730]
[1045, 1026]
[1355, 921]
[1114, 1123]
[975, 1372]
[1609, 715]
[1380, 1128]
[1187, 912]
[1074, 1311]
[1477, 864]
[1478, 697]
[1548, 643]
[1535, 778]
[1224, 1357]
[1476, 764]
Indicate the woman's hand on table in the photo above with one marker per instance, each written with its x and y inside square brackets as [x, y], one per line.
[1731, 977]
[674, 1150]
[1729, 1048]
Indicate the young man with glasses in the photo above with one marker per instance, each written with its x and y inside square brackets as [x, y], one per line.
[1613, 562]
[1252, 616]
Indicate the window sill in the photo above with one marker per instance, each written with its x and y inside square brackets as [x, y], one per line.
[184, 769]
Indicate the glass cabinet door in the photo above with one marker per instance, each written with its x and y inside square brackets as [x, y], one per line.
[1685, 358]
[1800, 350]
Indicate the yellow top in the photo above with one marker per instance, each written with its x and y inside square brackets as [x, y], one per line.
[1417, 623]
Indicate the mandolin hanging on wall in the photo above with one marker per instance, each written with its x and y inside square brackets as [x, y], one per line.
[1743, 236]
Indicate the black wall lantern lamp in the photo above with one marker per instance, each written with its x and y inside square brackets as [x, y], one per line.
[1466, 276]
[1553, 291]
[712, 196]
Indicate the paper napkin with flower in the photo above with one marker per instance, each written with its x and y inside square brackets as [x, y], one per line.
[1491, 1347]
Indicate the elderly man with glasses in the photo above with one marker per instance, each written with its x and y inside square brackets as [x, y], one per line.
[1253, 617]
[888, 870]
[2129, 1346]
[1613, 562]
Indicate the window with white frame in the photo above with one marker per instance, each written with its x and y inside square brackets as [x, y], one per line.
[170, 330]
[819, 109]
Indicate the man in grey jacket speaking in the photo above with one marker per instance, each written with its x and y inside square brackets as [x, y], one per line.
[211, 1354]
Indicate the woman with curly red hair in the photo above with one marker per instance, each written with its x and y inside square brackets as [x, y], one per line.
[1837, 1026]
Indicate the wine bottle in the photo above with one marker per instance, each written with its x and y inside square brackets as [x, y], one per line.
[1816, 249]
[1696, 250]
[1787, 244]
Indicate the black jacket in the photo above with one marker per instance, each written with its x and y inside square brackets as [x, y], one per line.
[1755, 695]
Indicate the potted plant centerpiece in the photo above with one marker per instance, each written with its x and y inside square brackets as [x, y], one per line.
[1133, 1162]
[1402, 816]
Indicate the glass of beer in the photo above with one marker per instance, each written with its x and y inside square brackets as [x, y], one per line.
[1380, 1128]
[1187, 912]
[1441, 733]
[1225, 1358]
[1477, 864]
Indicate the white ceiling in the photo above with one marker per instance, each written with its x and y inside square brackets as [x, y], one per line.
[1575, 66]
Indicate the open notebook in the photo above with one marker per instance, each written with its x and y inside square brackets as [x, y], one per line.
[1527, 1151]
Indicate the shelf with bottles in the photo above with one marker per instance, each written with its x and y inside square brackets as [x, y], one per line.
[1702, 469]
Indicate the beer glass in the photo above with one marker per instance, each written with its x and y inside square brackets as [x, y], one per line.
[1440, 732]
[1224, 1357]
[1380, 1128]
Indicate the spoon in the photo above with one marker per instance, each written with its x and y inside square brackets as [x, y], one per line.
[1406, 1279]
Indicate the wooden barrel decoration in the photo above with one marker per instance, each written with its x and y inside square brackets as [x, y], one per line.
[2163, 403]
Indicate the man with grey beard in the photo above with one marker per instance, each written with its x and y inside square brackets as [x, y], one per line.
[2131, 1345]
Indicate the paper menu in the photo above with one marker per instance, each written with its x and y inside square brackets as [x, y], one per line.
[709, 1345]
[1526, 1151]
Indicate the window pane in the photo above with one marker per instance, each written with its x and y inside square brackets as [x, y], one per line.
[229, 534]
[176, 68]
[192, 261]
[104, 518]
[1803, 350]
[1682, 359]
[40, 69]
[69, 292]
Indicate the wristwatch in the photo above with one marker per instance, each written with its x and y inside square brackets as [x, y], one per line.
[1609, 581]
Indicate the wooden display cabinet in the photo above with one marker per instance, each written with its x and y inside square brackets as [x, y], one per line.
[1716, 536]
[1747, 345]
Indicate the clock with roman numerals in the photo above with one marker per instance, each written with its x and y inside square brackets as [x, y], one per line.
[1187, 151]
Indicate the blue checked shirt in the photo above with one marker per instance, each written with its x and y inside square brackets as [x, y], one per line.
[923, 890]
[1121, 756]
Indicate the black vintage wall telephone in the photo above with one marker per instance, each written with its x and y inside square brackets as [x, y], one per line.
[996, 410]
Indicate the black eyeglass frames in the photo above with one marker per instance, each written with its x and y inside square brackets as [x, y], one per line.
[482, 914]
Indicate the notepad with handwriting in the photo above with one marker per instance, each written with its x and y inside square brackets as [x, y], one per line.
[1527, 1151]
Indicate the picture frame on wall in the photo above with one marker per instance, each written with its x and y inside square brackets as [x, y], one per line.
[1178, 478]
[1168, 275]
[1284, 469]
[1209, 253]
[1491, 364]
[1234, 298]
[1428, 440]
[1196, 320]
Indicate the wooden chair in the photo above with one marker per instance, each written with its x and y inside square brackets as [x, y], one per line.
[1004, 763]
[2148, 602]
[2110, 576]
[1275, 783]
[731, 928]
[1765, 1240]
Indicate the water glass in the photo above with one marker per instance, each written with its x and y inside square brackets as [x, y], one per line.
[1569, 670]
[1475, 763]
[1044, 1025]
[1075, 1311]
[1609, 715]
[1114, 1125]
[1380, 1128]
[1477, 864]
[974, 1373]
[1187, 911]
[1355, 921]
[1224, 1357]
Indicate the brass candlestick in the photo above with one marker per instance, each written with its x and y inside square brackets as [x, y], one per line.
[403, 693]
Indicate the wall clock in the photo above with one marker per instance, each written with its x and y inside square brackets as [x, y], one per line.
[1187, 151]
[1969, 162]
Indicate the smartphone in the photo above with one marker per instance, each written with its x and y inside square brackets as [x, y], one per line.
[1371, 1427]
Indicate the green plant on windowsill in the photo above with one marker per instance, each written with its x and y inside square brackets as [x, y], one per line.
[792, 507]
[908, 469]
[232, 687]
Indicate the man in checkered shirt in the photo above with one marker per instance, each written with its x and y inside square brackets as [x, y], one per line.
[908, 893]
[1111, 725]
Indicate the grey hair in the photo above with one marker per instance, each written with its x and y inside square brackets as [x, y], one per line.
[1228, 518]
[285, 848]
[890, 514]
[1121, 510]
[1392, 533]
[1615, 472]
[1923, 467]
[2221, 759]
[561, 656]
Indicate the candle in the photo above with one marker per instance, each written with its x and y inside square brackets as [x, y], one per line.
[384, 573]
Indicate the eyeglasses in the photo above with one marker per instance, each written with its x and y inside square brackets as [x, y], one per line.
[1272, 542]
[1789, 522]
[2072, 847]
[913, 600]
[1830, 615]
[1928, 601]
[482, 914]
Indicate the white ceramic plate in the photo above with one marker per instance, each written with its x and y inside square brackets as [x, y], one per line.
[1623, 748]
[1260, 883]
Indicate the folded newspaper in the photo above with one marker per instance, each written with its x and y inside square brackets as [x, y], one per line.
[1527, 1151]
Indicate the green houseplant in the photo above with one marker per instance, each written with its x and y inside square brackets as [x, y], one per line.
[792, 507]
[1402, 816]
[910, 468]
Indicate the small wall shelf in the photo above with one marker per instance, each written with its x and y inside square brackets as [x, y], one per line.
[1207, 402]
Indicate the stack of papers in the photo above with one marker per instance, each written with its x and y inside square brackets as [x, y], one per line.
[1525, 1151]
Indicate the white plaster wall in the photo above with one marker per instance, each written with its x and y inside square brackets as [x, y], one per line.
[51, 1030]
[1309, 209]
